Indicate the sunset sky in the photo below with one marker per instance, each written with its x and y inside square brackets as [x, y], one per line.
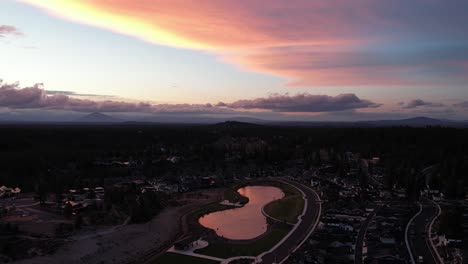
[286, 60]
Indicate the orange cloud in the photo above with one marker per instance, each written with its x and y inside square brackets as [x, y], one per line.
[311, 43]
[204, 24]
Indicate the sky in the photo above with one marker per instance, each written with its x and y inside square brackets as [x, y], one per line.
[334, 60]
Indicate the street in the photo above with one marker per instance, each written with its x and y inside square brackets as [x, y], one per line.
[419, 241]
[307, 225]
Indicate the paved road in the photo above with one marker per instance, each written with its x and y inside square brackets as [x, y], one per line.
[361, 235]
[23, 202]
[419, 240]
[309, 220]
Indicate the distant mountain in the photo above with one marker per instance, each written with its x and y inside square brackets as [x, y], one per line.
[244, 119]
[175, 119]
[410, 122]
[97, 117]
[417, 122]
[228, 125]
[225, 122]
[313, 123]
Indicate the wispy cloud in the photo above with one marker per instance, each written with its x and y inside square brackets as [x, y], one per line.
[70, 93]
[463, 104]
[7, 30]
[421, 103]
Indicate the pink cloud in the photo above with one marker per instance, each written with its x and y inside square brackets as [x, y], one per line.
[322, 68]
[6, 30]
[219, 24]
[311, 43]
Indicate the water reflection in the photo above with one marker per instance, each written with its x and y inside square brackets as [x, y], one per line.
[246, 222]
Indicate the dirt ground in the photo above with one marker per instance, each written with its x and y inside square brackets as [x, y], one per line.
[127, 243]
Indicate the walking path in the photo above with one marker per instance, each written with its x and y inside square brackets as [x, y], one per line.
[190, 252]
[434, 250]
[299, 221]
[228, 203]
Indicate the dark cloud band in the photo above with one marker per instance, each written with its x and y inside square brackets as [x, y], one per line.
[15, 97]
[303, 103]
[35, 97]
[419, 102]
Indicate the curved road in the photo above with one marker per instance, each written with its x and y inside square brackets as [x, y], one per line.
[302, 232]
[419, 242]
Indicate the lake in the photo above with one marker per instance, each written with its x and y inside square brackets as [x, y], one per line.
[246, 222]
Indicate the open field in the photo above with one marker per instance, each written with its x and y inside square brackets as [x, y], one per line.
[128, 243]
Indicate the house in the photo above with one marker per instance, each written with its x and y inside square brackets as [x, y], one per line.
[400, 193]
[387, 259]
[207, 181]
[388, 240]
[342, 226]
[173, 159]
[336, 244]
[8, 192]
[385, 194]
[341, 253]
[16, 191]
[75, 206]
[99, 190]
[438, 197]
[148, 189]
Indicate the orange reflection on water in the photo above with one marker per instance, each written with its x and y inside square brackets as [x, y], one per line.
[246, 222]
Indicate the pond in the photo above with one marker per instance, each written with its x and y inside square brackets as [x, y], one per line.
[246, 222]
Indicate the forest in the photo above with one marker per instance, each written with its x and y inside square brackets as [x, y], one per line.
[66, 156]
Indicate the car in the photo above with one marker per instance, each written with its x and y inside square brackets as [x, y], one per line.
[420, 259]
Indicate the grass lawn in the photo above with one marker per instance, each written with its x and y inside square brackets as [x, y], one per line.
[286, 209]
[174, 258]
[256, 247]
[289, 190]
